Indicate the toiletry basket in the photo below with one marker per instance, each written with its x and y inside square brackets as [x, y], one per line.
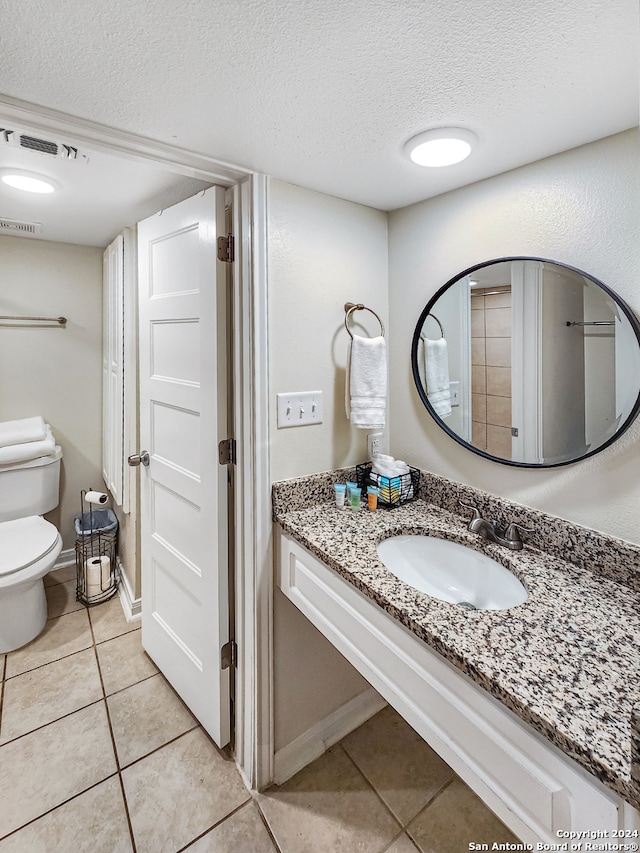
[394, 491]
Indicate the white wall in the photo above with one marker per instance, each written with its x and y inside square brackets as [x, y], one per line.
[323, 252]
[581, 208]
[56, 372]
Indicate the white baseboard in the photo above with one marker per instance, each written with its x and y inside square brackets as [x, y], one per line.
[131, 606]
[315, 741]
[65, 558]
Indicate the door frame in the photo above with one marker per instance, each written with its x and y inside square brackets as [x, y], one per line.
[526, 361]
[253, 568]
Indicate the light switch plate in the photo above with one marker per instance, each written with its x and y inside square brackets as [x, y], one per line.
[454, 393]
[299, 408]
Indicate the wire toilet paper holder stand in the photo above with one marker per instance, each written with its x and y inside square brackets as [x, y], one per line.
[96, 549]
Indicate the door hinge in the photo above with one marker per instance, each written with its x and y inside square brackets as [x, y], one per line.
[227, 451]
[229, 655]
[226, 251]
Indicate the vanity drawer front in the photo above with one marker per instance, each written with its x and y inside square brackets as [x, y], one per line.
[527, 782]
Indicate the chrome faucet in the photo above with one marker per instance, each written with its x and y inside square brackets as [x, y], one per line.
[491, 531]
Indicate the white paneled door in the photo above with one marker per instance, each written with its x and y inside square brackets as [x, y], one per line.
[183, 416]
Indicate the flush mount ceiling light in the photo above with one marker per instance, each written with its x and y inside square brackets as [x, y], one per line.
[442, 146]
[30, 182]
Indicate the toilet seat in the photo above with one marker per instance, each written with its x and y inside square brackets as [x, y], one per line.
[25, 541]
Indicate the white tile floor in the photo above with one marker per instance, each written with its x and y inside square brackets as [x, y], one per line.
[97, 753]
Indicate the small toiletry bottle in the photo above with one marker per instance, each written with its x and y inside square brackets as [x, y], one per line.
[340, 490]
[351, 486]
[355, 497]
[372, 498]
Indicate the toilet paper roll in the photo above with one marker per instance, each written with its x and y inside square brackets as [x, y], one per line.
[97, 572]
[96, 498]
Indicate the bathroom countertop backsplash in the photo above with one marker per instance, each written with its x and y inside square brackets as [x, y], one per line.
[567, 661]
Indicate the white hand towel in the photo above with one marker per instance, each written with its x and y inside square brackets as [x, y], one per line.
[366, 382]
[436, 371]
[28, 450]
[21, 431]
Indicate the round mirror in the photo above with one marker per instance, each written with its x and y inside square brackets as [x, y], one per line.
[528, 362]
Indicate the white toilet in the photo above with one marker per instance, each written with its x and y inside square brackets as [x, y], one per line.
[29, 546]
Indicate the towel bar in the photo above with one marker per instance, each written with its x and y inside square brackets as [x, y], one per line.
[350, 307]
[62, 321]
[591, 323]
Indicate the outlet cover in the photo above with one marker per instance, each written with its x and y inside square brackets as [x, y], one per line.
[374, 443]
[299, 408]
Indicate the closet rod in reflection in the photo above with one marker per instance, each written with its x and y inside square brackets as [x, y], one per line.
[62, 321]
[591, 323]
[490, 292]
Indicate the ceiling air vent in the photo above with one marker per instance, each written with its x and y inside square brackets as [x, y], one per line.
[61, 150]
[17, 228]
[45, 146]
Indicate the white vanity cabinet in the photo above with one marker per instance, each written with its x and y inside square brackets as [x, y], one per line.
[536, 790]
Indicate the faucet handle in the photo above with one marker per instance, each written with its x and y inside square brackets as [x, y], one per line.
[476, 517]
[514, 530]
[473, 508]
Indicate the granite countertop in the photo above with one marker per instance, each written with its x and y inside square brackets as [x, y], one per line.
[567, 661]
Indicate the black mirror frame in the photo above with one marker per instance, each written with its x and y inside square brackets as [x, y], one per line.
[635, 325]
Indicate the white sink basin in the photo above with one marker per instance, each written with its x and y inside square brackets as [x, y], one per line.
[451, 572]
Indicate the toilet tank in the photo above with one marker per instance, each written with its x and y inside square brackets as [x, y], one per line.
[30, 488]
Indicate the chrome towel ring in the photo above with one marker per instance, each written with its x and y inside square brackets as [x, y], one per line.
[350, 307]
[433, 317]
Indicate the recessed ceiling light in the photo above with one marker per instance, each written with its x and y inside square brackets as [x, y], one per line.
[30, 182]
[442, 146]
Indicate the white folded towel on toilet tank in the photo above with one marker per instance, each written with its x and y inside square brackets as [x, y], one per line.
[22, 430]
[366, 382]
[28, 450]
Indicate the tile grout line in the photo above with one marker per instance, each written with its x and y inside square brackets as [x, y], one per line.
[51, 722]
[75, 710]
[55, 660]
[395, 819]
[113, 740]
[62, 657]
[214, 825]
[271, 833]
[93, 644]
[430, 801]
[428, 805]
[198, 726]
[66, 612]
[403, 834]
[122, 689]
[55, 808]
[162, 746]
[57, 583]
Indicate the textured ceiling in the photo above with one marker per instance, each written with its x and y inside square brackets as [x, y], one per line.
[325, 94]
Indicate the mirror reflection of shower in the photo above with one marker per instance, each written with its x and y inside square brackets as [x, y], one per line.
[491, 418]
